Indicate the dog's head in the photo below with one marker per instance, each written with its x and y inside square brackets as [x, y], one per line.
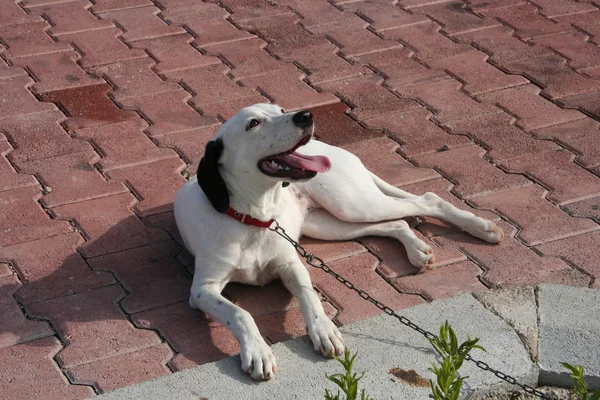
[259, 144]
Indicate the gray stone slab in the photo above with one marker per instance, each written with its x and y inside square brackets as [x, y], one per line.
[517, 306]
[382, 344]
[569, 332]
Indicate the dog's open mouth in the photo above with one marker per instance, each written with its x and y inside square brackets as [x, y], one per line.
[293, 165]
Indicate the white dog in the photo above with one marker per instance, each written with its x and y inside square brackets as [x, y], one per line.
[242, 185]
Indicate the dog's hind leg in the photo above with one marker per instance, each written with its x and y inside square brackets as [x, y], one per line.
[320, 224]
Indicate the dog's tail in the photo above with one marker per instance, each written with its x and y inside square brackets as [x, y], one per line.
[388, 189]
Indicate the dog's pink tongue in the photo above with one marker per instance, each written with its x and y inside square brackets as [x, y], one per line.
[309, 163]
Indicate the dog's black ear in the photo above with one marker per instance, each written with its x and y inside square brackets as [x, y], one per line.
[209, 178]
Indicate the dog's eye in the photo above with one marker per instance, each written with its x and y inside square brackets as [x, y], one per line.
[252, 124]
[282, 111]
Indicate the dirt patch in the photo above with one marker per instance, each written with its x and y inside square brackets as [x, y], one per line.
[411, 377]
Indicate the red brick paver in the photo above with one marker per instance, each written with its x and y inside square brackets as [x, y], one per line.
[106, 107]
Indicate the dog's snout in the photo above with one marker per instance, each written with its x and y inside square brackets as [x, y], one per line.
[303, 119]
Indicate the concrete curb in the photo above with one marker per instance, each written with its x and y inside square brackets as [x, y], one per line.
[384, 344]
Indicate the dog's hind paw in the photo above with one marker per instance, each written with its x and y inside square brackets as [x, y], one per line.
[421, 255]
[489, 231]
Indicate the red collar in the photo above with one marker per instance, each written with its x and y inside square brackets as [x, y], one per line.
[248, 220]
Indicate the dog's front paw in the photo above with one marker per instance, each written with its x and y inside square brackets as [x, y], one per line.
[420, 255]
[257, 359]
[326, 337]
[488, 231]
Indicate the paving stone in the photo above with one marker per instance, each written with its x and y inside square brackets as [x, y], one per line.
[62, 273]
[323, 64]
[16, 100]
[101, 47]
[500, 137]
[124, 144]
[39, 136]
[108, 225]
[518, 308]
[360, 268]
[195, 339]
[259, 301]
[502, 47]
[124, 370]
[447, 101]
[399, 68]
[286, 88]
[168, 113]
[395, 262]
[538, 219]
[88, 106]
[427, 42]
[23, 219]
[479, 76]
[56, 71]
[9, 178]
[335, 127]
[283, 33]
[69, 17]
[141, 23]
[29, 39]
[419, 3]
[353, 39]
[5, 270]
[189, 145]
[588, 208]
[556, 171]
[383, 15]
[246, 10]
[474, 176]
[455, 18]
[150, 273]
[289, 324]
[110, 335]
[532, 110]
[316, 13]
[587, 22]
[555, 8]
[588, 102]
[247, 58]
[13, 14]
[211, 85]
[330, 250]
[23, 367]
[431, 227]
[511, 264]
[155, 184]
[552, 73]
[228, 109]
[448, 281]
[527, 21]
[380, 157]
[591, 72]
[431, 138]
[7, 72]
[367, 97]
[71, 178]
[101, 6]
[568, 338]
[579, 251]
[16, 327]
[207, 22]
[174, 53]
[134, 78]
[574, 46]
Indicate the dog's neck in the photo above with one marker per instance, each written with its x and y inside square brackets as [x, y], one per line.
[259, 199]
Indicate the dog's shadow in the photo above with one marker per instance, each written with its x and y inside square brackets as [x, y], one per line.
[123, 291]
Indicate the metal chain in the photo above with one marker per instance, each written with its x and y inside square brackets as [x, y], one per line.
[317, 262]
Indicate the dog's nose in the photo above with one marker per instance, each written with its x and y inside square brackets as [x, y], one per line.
[303, 119]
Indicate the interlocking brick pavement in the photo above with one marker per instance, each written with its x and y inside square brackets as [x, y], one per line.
[106, 107]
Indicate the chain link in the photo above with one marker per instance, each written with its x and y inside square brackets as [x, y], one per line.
[317, 262]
